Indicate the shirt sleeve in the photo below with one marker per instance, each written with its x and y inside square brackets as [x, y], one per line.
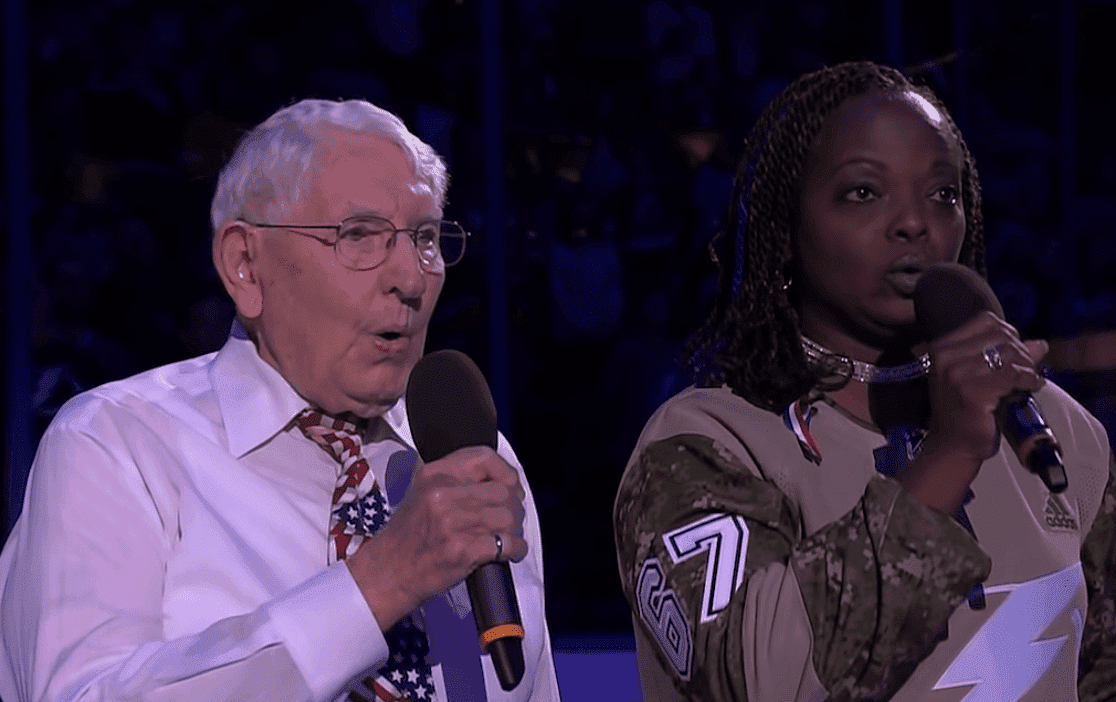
[733, 602]
[82, 604]
[546, 678]
[530, 593]
[1097, 679]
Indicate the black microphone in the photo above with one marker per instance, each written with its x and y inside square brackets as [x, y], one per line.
[947, 296]
[449, 406]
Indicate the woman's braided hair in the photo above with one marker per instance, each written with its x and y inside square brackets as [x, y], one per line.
[751, 341]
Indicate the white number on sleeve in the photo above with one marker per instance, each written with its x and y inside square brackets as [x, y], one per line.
[659, 608]
[725, 537]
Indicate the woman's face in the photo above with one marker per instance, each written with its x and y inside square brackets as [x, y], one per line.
[881, 201]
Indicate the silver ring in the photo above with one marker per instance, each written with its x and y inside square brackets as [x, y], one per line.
[993, 359]
[499, 546]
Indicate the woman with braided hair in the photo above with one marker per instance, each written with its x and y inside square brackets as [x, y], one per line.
[830, 514]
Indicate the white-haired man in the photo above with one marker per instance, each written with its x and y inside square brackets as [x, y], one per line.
[251, 524]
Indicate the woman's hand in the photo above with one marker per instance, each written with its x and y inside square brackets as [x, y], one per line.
[972, 369]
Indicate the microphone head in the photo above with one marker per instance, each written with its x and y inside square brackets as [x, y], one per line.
[948, 295]
[449, 405]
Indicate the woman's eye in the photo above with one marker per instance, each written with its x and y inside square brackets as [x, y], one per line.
[948, 194]
[860, 193]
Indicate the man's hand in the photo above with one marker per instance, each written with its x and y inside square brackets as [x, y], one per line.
[441, 532]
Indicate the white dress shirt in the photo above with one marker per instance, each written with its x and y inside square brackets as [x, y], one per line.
[173, 546]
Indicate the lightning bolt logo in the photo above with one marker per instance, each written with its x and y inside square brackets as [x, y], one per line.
[1004, 659]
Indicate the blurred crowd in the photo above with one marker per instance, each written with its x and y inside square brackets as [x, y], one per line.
[622, 124]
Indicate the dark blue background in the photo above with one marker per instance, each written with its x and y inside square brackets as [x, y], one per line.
[619, 126]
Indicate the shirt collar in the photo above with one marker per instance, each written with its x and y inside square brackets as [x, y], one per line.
[257, 402]
[396, 418]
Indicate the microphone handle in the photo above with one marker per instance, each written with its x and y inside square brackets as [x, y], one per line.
[507, 658]
[1025, 428]
[496, 610]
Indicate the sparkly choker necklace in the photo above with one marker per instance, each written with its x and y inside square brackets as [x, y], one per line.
[866, 372]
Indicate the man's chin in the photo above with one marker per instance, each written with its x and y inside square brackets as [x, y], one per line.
[370, 393]
[367, 407]
[362, 402]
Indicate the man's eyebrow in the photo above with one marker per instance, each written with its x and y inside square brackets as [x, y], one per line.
[420, 219]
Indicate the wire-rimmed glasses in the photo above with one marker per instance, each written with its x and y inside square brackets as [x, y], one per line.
[363, 241]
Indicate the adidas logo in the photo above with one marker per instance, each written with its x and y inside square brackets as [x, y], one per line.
[1058, 515]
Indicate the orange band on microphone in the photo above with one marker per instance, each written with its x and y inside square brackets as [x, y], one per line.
[502, 631]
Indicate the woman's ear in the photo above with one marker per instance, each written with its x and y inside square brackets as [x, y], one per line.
[234, 256]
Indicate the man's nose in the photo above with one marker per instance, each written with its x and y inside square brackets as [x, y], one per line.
[402, 269]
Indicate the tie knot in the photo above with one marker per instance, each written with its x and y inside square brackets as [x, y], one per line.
[337, 436]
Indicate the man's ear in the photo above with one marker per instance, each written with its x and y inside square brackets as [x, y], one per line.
[234, 256]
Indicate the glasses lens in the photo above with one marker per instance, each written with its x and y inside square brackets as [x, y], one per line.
[452, 243]
[363, 242]
[426, 241]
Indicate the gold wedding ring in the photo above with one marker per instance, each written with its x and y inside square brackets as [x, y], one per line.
[499, 546]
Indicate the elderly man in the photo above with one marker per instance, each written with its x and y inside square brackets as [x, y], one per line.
[250, 524]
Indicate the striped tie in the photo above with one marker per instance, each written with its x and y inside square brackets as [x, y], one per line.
[359, 510]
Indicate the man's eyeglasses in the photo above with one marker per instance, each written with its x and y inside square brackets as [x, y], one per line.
[363, 242]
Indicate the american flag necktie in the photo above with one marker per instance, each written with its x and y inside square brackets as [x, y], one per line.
[359, 510]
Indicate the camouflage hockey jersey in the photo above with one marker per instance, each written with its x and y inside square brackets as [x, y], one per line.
[756, 573]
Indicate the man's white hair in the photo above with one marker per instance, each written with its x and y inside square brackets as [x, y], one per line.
[274, 163]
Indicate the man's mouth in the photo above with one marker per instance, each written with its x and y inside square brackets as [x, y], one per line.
[391, 341]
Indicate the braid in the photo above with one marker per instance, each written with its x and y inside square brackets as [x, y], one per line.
[752, 341]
